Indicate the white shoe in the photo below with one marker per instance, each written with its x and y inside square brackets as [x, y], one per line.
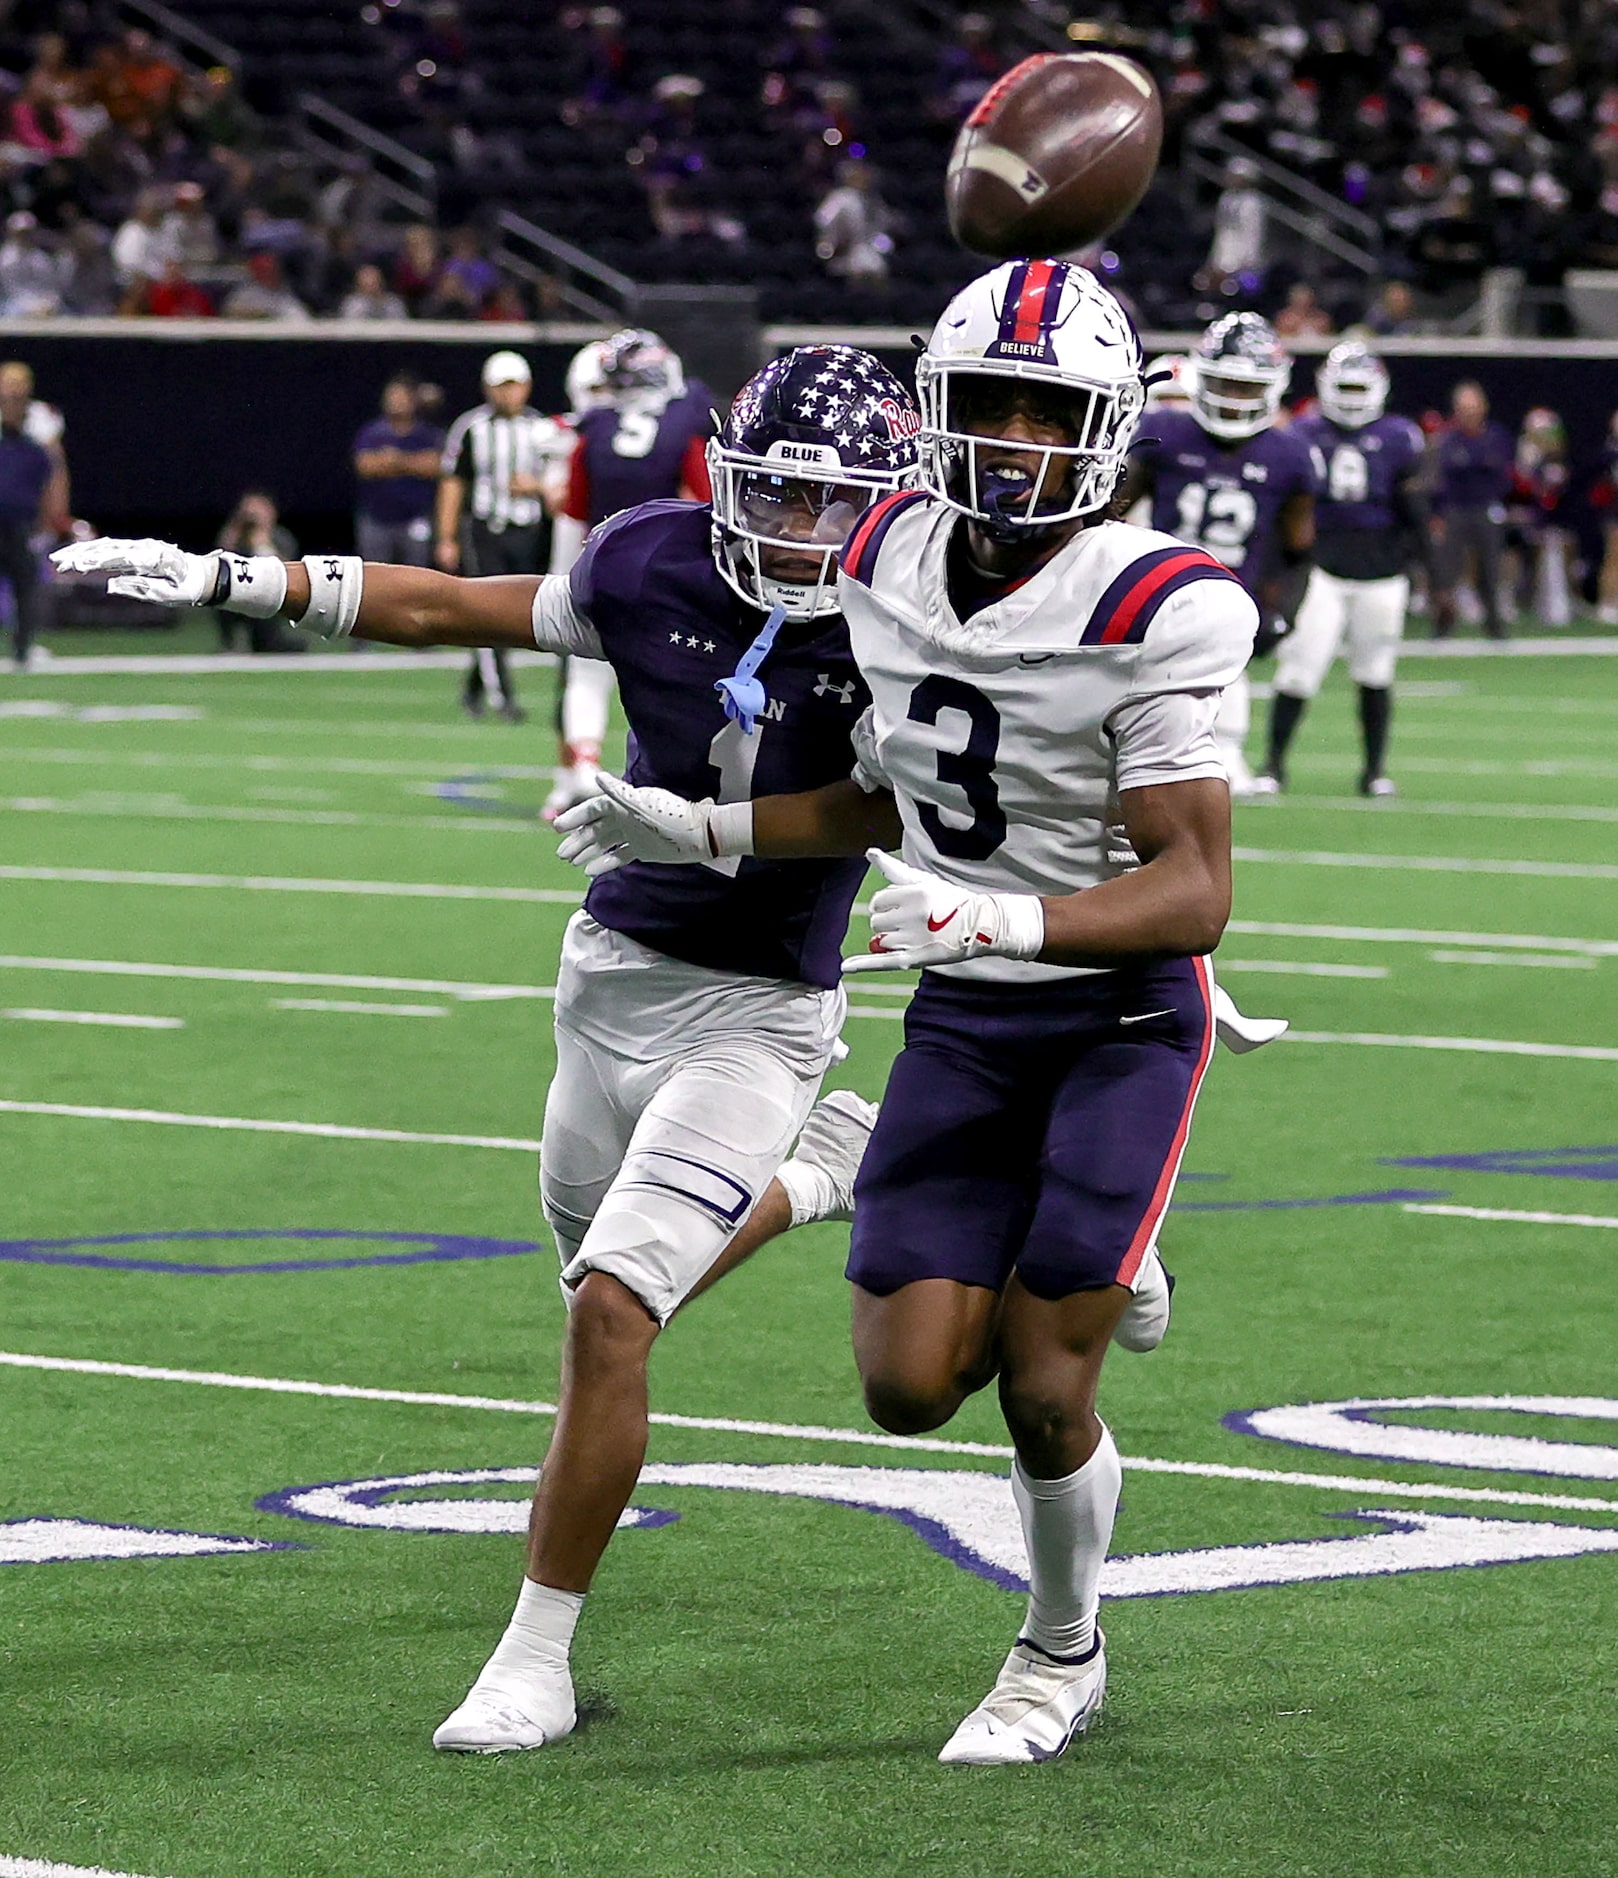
[1145, 1321]
[491, 1721]
[1240, 777]
[573, 785]
[1263, 784]
[1033, 1712]
[819, 1178]
[1238, 1032]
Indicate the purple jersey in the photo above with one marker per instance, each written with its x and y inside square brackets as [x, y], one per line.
[1363, 517]
[1224, 498]
[671, 628]
[624, 458]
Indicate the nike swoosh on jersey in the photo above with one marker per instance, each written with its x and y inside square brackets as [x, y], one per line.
[1144, 1015]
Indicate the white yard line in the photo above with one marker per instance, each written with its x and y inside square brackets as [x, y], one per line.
[48, 1868]
[792, 1431]
[1483, 1046]
[270, 883]
[113, 1020]
[1595, 647]
[1422, 936]
[1470, 811]
[469, 989]
[1430, 863]
[1301, 968]
[1508, 1214]
[349, 1008]
[164, 810]
[251, 1125]
[423, 768]
[1562, 961]
[262, 664]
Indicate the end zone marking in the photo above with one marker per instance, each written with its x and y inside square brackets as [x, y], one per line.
[799, 1431]
[1509, 1214]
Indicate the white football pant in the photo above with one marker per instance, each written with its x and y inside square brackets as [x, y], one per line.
[1368, 614]
[585, 702]
[1230, 733]
[678, 1093]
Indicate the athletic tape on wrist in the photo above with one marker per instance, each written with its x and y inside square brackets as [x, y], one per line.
[730, 829]
[254, 584]
[1022, 917]
[336, 583]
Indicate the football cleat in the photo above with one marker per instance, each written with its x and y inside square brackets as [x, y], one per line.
[1378, 785]
[573, 785]
[1145, 1321]
[1238, 1032]
[820, 1175]
[492, 1721]
[1035, 1710]
[1266, 783]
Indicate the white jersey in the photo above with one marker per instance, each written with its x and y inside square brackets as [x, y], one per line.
[1006, 737]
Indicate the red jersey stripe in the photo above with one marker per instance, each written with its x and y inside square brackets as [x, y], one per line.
[853, 554]
[1117, 628]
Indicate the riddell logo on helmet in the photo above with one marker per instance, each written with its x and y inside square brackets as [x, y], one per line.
[900, 420]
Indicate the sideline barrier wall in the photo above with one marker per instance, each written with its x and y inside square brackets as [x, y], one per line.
[169, 421]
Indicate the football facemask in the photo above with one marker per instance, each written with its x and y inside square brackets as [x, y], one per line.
[1352, 386]
[1030, 390]
[780, 523]
[1239, 374]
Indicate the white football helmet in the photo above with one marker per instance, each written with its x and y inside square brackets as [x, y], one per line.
[1239, 374]
[587, 388]
[1352, 385]
[1038, 324]
[641, 372]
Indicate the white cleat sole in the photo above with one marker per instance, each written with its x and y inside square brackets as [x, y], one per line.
[487, 1723]
[1035, 1712]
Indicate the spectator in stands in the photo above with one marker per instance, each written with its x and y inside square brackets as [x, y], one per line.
[967, 66]
[853, 228]
[53, 73]
[1393, 311]
[369, 299]
[32, 276]
[1303, 317]
[264, 295]
[1474, 460]
[189, 230]
[215, 115]
[25, 476]
[1240, 219]
[110, 86]
[396, 462]
[598, 83]
[91, 290]
[254, 527]
[416, 266]
[467, 278]
[505, 303]
[149, 78]
[172, 296]
[141, 248]
[38, 124]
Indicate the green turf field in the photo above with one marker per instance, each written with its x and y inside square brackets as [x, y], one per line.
[769, 1675]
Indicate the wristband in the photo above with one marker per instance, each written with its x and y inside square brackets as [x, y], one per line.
[254, 584]
[336, 583]
[730, 829]
[1022, 925]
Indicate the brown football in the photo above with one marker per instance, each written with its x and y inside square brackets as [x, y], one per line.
[1056, 154]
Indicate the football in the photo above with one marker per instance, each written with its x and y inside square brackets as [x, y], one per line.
[1055, 156]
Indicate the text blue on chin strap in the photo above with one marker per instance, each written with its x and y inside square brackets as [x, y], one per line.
[744, 694]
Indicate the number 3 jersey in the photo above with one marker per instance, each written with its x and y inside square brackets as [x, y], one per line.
[1006, 736]
[1226, 498]
[645, 595]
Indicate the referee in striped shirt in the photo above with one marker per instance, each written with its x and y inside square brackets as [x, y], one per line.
[491, 513]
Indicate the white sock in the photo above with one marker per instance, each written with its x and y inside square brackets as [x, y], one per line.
[1067, 1527]
[534, 1650]
[811, 1192]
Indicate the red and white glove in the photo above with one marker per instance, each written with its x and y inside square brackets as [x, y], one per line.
[627, 823]
[921, 920]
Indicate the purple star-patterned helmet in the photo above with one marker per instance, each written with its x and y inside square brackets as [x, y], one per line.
[810, 443]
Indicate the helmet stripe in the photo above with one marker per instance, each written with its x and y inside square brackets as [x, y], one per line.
[1035, 303]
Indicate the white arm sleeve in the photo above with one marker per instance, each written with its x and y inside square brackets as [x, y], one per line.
[559, 626]
[1166, 739]
[868, 771]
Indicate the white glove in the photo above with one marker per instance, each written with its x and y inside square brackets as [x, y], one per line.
[164, 575]
[922, 920]
[625, 823]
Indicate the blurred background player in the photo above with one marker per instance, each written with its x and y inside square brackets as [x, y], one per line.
[1223, 477]
[1475, 464]
[491, 513]
[641, 437]
[254, 526]
[46, 425]
[26, 472]
[396, 460]
[1370, 519]
[1539, 541]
